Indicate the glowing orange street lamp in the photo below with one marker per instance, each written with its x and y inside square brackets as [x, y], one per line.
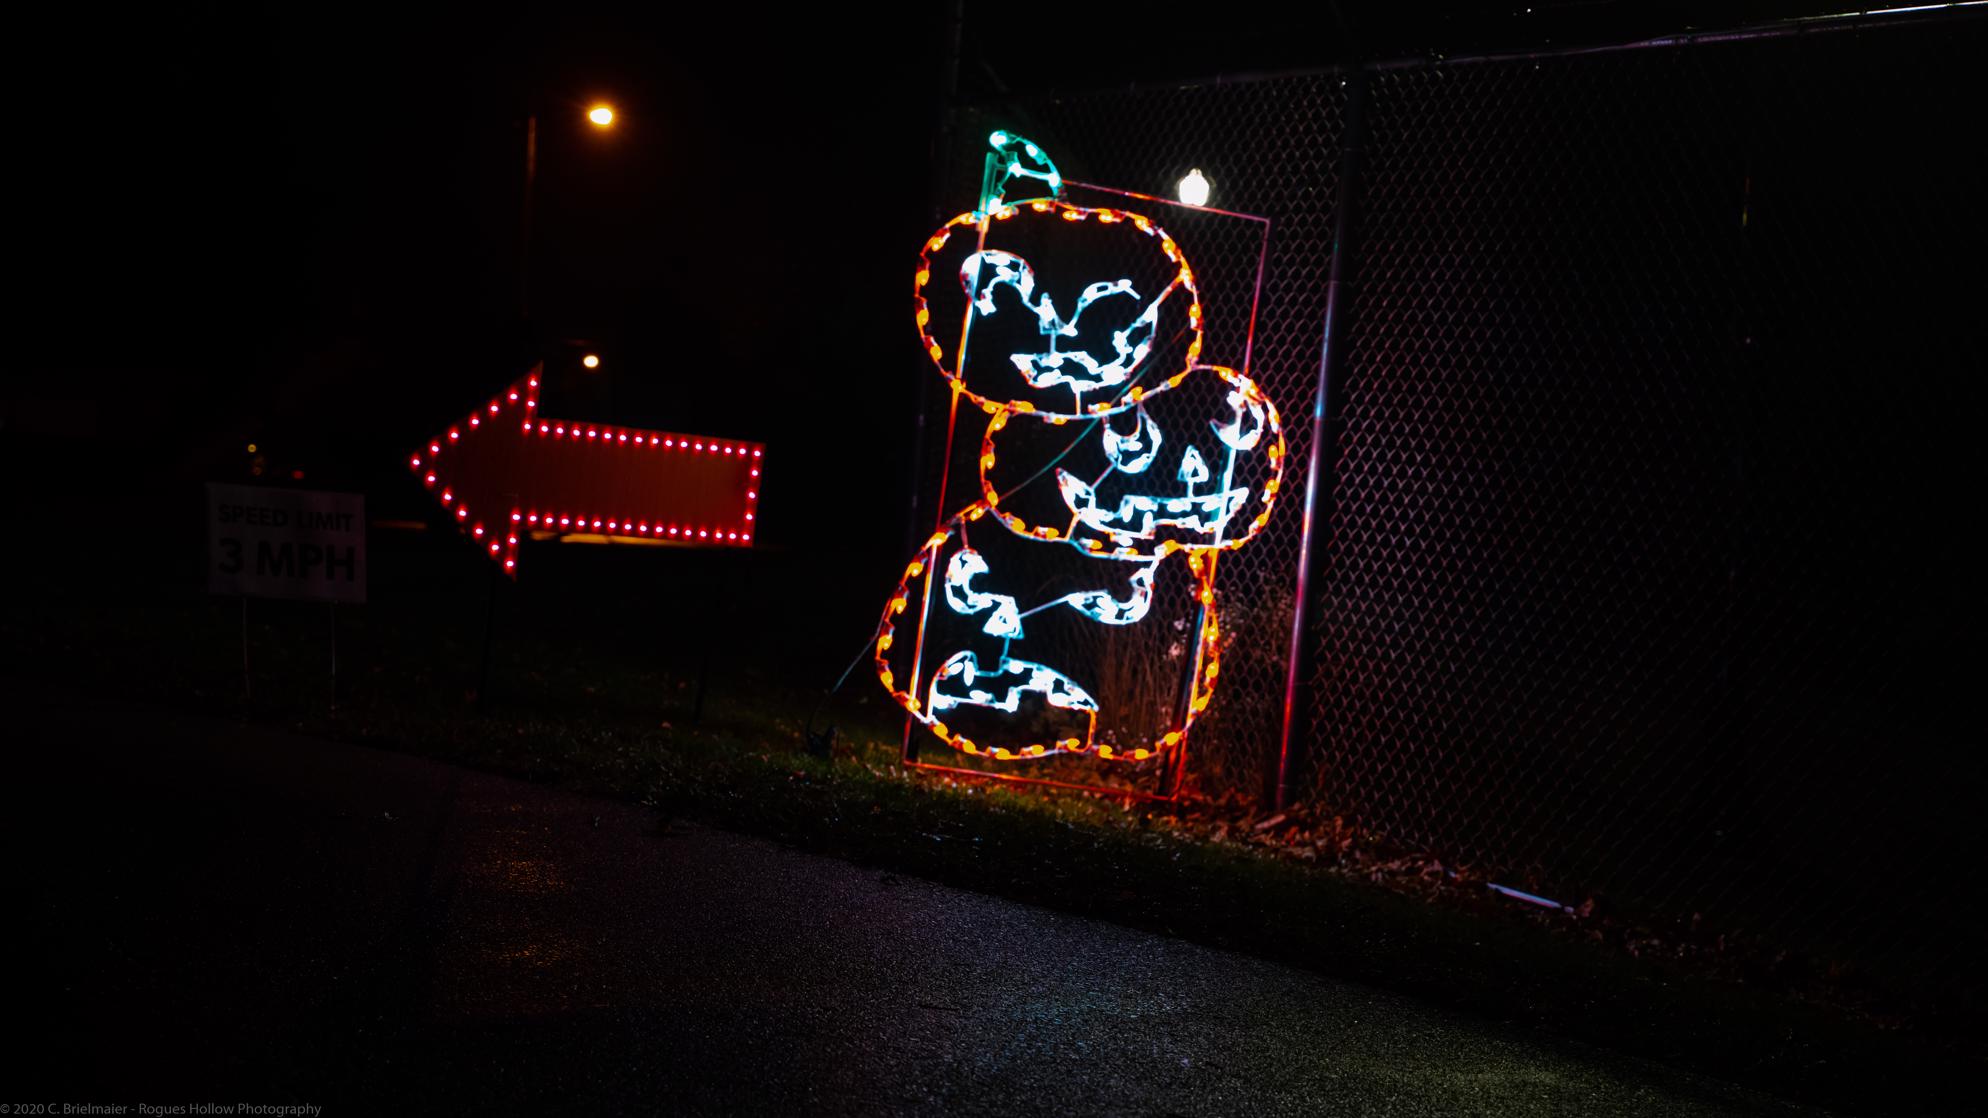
[601, 116]
[591, 361]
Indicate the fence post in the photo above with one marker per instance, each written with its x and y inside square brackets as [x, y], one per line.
[1293, 737]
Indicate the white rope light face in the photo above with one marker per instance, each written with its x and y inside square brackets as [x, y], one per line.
[1061, 370]
[1154, 492]
[1096, 471]
[1080, 370]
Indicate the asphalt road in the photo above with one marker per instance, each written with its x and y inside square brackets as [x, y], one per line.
[209, 912]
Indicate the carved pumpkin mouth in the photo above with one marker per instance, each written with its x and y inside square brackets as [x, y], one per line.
[961, 681]
[1139, 515]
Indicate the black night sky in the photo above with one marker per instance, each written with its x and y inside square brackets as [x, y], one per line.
[301, 227]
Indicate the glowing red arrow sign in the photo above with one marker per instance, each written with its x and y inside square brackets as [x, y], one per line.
[505, 470]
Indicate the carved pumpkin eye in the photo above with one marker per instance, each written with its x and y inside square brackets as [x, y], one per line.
[1131, 454]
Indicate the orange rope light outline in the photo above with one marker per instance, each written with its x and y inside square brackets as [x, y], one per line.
[1207, 656]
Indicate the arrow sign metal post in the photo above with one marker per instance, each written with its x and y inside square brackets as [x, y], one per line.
[506, 470]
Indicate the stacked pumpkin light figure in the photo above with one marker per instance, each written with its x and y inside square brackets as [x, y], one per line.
[1114, 468]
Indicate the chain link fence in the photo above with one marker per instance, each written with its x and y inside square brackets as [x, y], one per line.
[1642, 577]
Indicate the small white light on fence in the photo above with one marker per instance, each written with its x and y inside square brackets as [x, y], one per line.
[1194, 188]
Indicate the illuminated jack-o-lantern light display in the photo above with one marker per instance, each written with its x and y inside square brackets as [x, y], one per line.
[1070, 607]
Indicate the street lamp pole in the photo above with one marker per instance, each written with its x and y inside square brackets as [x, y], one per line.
[601, 116]
[525, 217]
